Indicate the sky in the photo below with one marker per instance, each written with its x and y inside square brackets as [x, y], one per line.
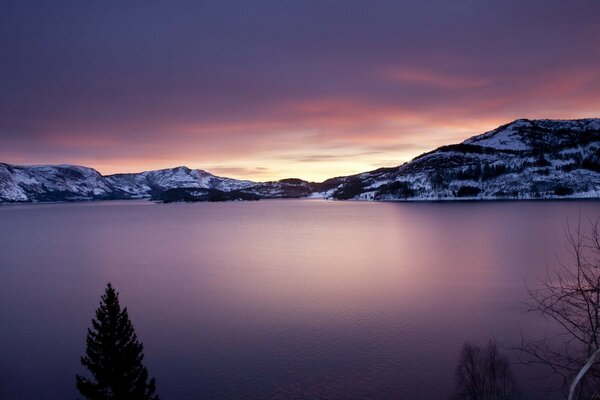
[276, 89]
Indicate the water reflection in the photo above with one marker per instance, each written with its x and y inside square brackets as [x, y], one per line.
[273, 299]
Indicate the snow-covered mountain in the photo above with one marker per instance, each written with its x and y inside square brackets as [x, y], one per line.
[525, 159]
[75, 183]
[51, 183]
[149, 183]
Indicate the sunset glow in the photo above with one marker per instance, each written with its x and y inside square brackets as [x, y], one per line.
[274, 90]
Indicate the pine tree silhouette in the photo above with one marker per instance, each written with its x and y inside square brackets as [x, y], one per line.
[114, 356]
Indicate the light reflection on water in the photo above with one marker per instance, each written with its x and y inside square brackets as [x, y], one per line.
[274, 299]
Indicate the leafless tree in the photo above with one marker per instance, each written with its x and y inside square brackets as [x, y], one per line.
[483, 374]
[570, 296]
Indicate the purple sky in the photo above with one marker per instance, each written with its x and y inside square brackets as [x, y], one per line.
[274, 89]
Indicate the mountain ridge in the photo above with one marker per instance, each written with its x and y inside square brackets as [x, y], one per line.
[524, 159]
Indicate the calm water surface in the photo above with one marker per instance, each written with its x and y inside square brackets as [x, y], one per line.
[274, 299]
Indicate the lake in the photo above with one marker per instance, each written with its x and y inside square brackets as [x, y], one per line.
[280, 299]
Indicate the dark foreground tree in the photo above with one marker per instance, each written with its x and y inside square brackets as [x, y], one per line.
[483, 374]
[114, 356]
[570, 297]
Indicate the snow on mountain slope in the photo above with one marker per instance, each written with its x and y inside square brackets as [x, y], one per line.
[525, 159]
[521, 160]
[285, 188]
[51, 183]
[504, 138]
[73, 183]
[523, 134]
[148, 183]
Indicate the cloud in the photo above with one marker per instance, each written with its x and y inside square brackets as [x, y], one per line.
[319, 158]
[420, 77]
[278, 89]
[239, 171]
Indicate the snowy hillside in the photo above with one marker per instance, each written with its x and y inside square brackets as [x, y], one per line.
[150, 183]
[51, 183]
[526, 159]
[522, 160]
[75, 183]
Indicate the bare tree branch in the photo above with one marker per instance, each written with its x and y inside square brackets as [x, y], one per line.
[570, 296]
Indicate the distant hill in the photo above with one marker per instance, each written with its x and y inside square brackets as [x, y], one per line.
[525, 159]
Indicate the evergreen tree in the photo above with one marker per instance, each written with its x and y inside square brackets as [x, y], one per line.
[114, 356]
